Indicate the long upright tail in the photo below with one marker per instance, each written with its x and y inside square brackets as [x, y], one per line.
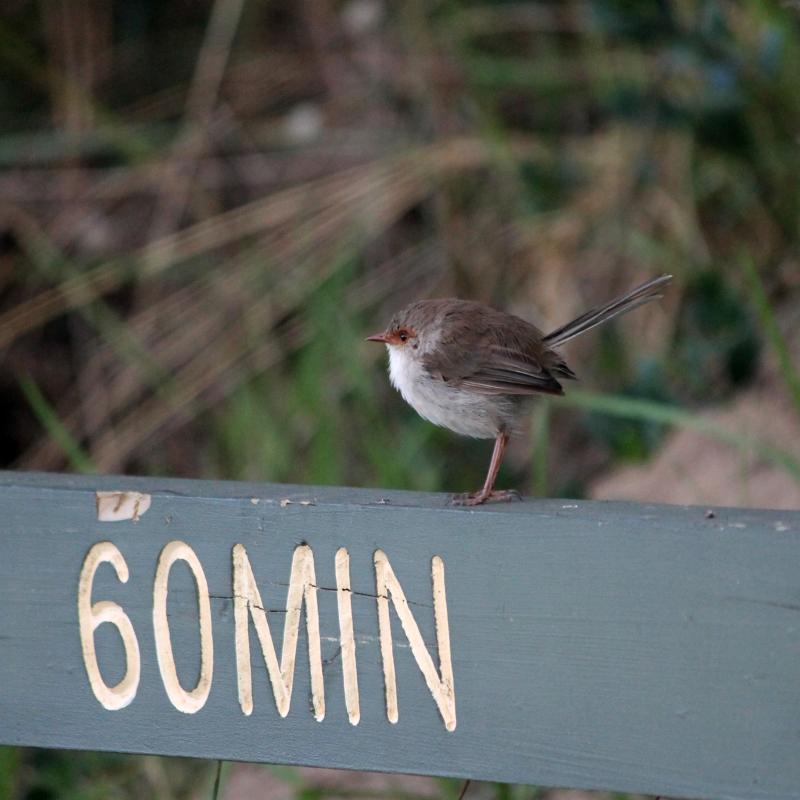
[597, 316]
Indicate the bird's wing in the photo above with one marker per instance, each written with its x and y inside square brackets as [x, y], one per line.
[497, 359]
[508, 371]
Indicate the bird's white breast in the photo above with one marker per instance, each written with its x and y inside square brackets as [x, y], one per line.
[404, 372]
[460, 410]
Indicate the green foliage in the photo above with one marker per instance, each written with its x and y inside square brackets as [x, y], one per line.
[760, 301]
[717, 346]
[50, 421]
[633, 437]
[10, 760]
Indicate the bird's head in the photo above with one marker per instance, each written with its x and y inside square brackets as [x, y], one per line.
[412, 331]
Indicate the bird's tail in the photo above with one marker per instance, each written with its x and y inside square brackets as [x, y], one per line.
[597, 316]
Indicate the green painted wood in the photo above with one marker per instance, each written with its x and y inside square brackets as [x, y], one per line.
[602, 645]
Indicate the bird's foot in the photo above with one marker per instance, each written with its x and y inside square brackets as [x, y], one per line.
[482, 496]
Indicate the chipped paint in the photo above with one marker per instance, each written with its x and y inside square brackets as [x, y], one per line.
[120, 506]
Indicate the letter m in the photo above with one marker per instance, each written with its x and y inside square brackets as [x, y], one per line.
[247, 603]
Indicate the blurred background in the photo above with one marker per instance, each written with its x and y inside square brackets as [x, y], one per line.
[206, 206]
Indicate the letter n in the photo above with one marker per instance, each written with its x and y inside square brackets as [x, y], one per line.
[441, 686]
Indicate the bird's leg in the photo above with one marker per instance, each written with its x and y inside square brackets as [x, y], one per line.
[488, 494]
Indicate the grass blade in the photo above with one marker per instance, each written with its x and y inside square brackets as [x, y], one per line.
[634, 408]
[770, 323]
[44, 412]
[217, 781]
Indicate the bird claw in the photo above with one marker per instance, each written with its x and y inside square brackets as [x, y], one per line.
[480, 497]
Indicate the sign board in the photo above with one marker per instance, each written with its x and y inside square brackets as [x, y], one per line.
[636, 648]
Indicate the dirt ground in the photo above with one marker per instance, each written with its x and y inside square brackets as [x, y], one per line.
[696, 470]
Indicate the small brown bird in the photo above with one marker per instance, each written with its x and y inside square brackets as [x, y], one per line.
[468, 367]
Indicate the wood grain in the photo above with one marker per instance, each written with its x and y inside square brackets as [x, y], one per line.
[600, 645]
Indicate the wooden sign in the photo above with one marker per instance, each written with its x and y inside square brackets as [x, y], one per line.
[636, 648]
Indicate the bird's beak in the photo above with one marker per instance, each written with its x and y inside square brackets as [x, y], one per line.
[378, 337]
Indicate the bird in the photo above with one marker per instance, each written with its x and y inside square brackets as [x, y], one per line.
[468, 367]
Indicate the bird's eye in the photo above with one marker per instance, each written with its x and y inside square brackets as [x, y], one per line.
[403, 336]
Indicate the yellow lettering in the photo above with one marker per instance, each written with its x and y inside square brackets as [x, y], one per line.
[247, 602]
[441, 687]
[193, 700]
[90, 617]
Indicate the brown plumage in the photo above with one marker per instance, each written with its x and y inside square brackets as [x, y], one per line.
[490, 352]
